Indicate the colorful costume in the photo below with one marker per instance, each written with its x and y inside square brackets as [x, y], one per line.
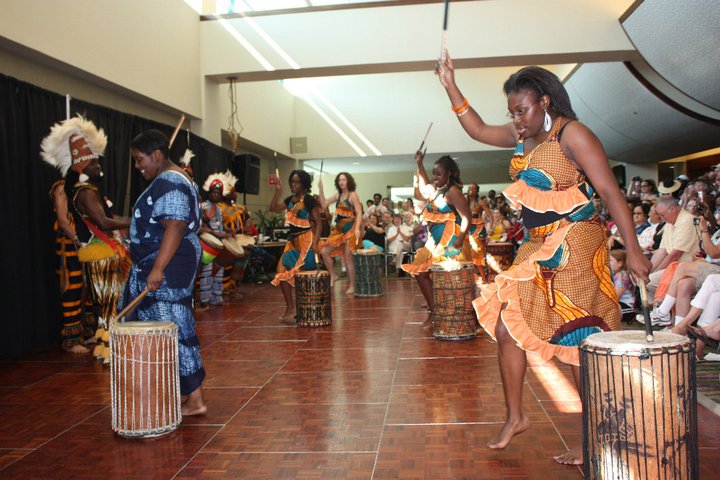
[559, 289]
[298, 253]
[72, 145]
[343, 232]
[477, 235]
[443, 228]
[211, 277]
[171, 196]
[70, 275]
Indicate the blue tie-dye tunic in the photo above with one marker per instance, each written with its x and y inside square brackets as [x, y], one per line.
[171, 196]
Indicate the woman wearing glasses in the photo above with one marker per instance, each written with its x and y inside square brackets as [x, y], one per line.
[556, 292]
[648, 191]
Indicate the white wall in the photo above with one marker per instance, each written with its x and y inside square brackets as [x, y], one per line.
[44, 76]
[149, 47]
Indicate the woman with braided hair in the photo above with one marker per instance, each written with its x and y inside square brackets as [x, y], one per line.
[448, 218]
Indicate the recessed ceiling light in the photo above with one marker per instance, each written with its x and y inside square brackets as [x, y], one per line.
[356, 163]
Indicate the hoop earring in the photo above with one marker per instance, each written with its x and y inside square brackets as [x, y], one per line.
[547, 123]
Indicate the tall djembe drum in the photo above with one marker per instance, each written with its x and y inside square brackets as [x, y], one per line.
[312, 298]
[639, 406]
[368, 273]
[453, 293]
[144, 378]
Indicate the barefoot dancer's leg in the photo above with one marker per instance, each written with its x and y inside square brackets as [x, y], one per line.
[195, 404]
[574, 456]
[328, 262]
[425, 283]
[350, 266]
[512, 361]
[287, 289]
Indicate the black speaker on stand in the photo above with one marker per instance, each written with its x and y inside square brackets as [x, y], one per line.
[246, 167]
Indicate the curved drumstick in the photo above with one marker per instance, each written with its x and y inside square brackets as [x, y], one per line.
[645, 309]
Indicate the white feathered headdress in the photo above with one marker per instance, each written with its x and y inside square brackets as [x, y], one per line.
[214, 180]
[229, 186]
[73, 142]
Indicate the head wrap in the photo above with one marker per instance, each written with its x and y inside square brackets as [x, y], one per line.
[214, 180]
[73, 143]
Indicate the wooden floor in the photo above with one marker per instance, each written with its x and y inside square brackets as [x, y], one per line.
[373, 396]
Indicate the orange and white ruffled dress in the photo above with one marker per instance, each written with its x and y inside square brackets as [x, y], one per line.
[559, 289]
[297, 254]
[443, 228]
[477, 235]
[343, 232]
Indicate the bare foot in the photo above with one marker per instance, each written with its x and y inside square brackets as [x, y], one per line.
[333, 279]
[429, 323]
[510, 429]
[77, 349]
[189, 411]
[350, 291]
[194, 405]
[574, 456]
[289, 318]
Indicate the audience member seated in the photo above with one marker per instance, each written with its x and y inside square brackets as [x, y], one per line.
[640, 214]
[374, 237]
[623, 285]
[399, 237]
[501, 225]
[648, 191]
[705, 310]
[679, 241]
[650, 238]
[687, 279]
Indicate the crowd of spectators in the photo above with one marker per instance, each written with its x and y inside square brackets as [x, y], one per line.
[676, 225]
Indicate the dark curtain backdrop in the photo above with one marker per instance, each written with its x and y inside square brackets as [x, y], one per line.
[30, 317]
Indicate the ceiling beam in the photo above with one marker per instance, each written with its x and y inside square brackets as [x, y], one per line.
[429, 65]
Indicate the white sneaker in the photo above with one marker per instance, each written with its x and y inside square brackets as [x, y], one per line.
[657, 319]
[712, 357]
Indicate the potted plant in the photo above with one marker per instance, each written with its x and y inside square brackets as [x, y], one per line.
[267, 221]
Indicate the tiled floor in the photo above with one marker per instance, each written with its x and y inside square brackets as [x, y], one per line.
[372, 396]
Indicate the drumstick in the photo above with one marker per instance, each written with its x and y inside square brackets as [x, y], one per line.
[277, 171]
[422, 144]
[645, 309]
[177, 129]
[443, 46]
[131, 306]
[321, 166]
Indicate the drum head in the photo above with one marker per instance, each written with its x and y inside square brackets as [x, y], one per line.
[211, 240]
[142, 327]
[232, 246]
[632, 341]
[244, 240]
[450, 266]
[312, 273]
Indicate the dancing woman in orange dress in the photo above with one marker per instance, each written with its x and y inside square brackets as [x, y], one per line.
[302, 216]
[448, 218]
[346, 233]
[559, 289]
